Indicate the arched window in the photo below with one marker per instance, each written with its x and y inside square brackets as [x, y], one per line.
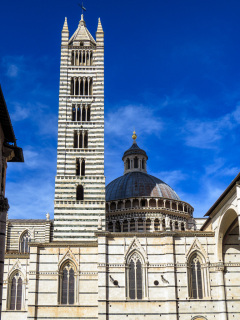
[80, 193]
[83, 168]
[24, 242]
[85, 140]
[128, 163]
[136, 162]
[135, 277]
[15, 292]
[77, 167]
[67, 284]
[88, 113]
[198, 277]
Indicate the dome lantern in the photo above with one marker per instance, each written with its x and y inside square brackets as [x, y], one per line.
[135, 159]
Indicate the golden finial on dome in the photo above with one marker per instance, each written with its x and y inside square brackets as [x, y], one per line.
[134, 136]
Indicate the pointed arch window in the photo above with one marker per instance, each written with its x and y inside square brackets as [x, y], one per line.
[15, 291]
[68, 284]
[24, 241]
[136, 278]
[198, 277]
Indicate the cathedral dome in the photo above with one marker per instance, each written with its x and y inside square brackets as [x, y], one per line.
[138, 184]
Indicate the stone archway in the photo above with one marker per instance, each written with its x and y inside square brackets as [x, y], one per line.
[229, 219]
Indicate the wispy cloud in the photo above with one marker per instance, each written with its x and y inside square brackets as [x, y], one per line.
[124, 119]
[205, 133]
[20, 113]
[13, 65]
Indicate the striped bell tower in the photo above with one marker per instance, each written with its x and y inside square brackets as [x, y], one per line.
[79, 208]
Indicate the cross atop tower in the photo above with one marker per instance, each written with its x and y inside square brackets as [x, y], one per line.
[82, 7]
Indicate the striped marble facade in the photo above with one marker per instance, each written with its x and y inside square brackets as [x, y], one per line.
[81, 58]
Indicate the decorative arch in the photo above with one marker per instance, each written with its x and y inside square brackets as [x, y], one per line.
[197, 246]
[24, 240]
[136, 264]
[228, 219]
[68, 283]
[68, 256]
[135, 245]
[16, 290]
[197, 271]
[199, 318]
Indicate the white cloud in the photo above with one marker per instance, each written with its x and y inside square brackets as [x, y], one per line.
[32, 200]
[205, 134]
[20, 113]
[122, 121]
[13, 65]
[12, 71]
[172, 178]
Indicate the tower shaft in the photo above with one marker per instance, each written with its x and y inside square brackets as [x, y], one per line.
[79, 208]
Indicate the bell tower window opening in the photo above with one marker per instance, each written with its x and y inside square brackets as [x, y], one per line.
[83, 168]
[88, 114]
[80, 139]
[81, 86]
[79, 193]
[77, 167]
[81, 112]
[143, 164]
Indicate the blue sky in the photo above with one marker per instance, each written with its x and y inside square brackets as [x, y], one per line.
[171, 72]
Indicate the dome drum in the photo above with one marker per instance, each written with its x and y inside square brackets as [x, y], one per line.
[147, 203]
[147, 223]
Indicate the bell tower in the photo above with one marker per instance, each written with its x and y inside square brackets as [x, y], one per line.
[79, 206]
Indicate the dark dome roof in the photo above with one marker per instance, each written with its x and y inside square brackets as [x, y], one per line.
[134, 150]
[138, 184]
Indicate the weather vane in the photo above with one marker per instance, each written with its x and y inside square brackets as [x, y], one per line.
[83, 9]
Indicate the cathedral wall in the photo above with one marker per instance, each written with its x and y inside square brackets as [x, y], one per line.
[168, 265]
[42, 270]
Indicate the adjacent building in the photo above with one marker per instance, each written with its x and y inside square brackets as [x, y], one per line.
[9, 152]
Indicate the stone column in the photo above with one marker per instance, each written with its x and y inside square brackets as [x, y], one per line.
[136, 224]
[129, 221]
[144, 225]
[114, 225]
[152, 224]
[3, 217]
[121, 224]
